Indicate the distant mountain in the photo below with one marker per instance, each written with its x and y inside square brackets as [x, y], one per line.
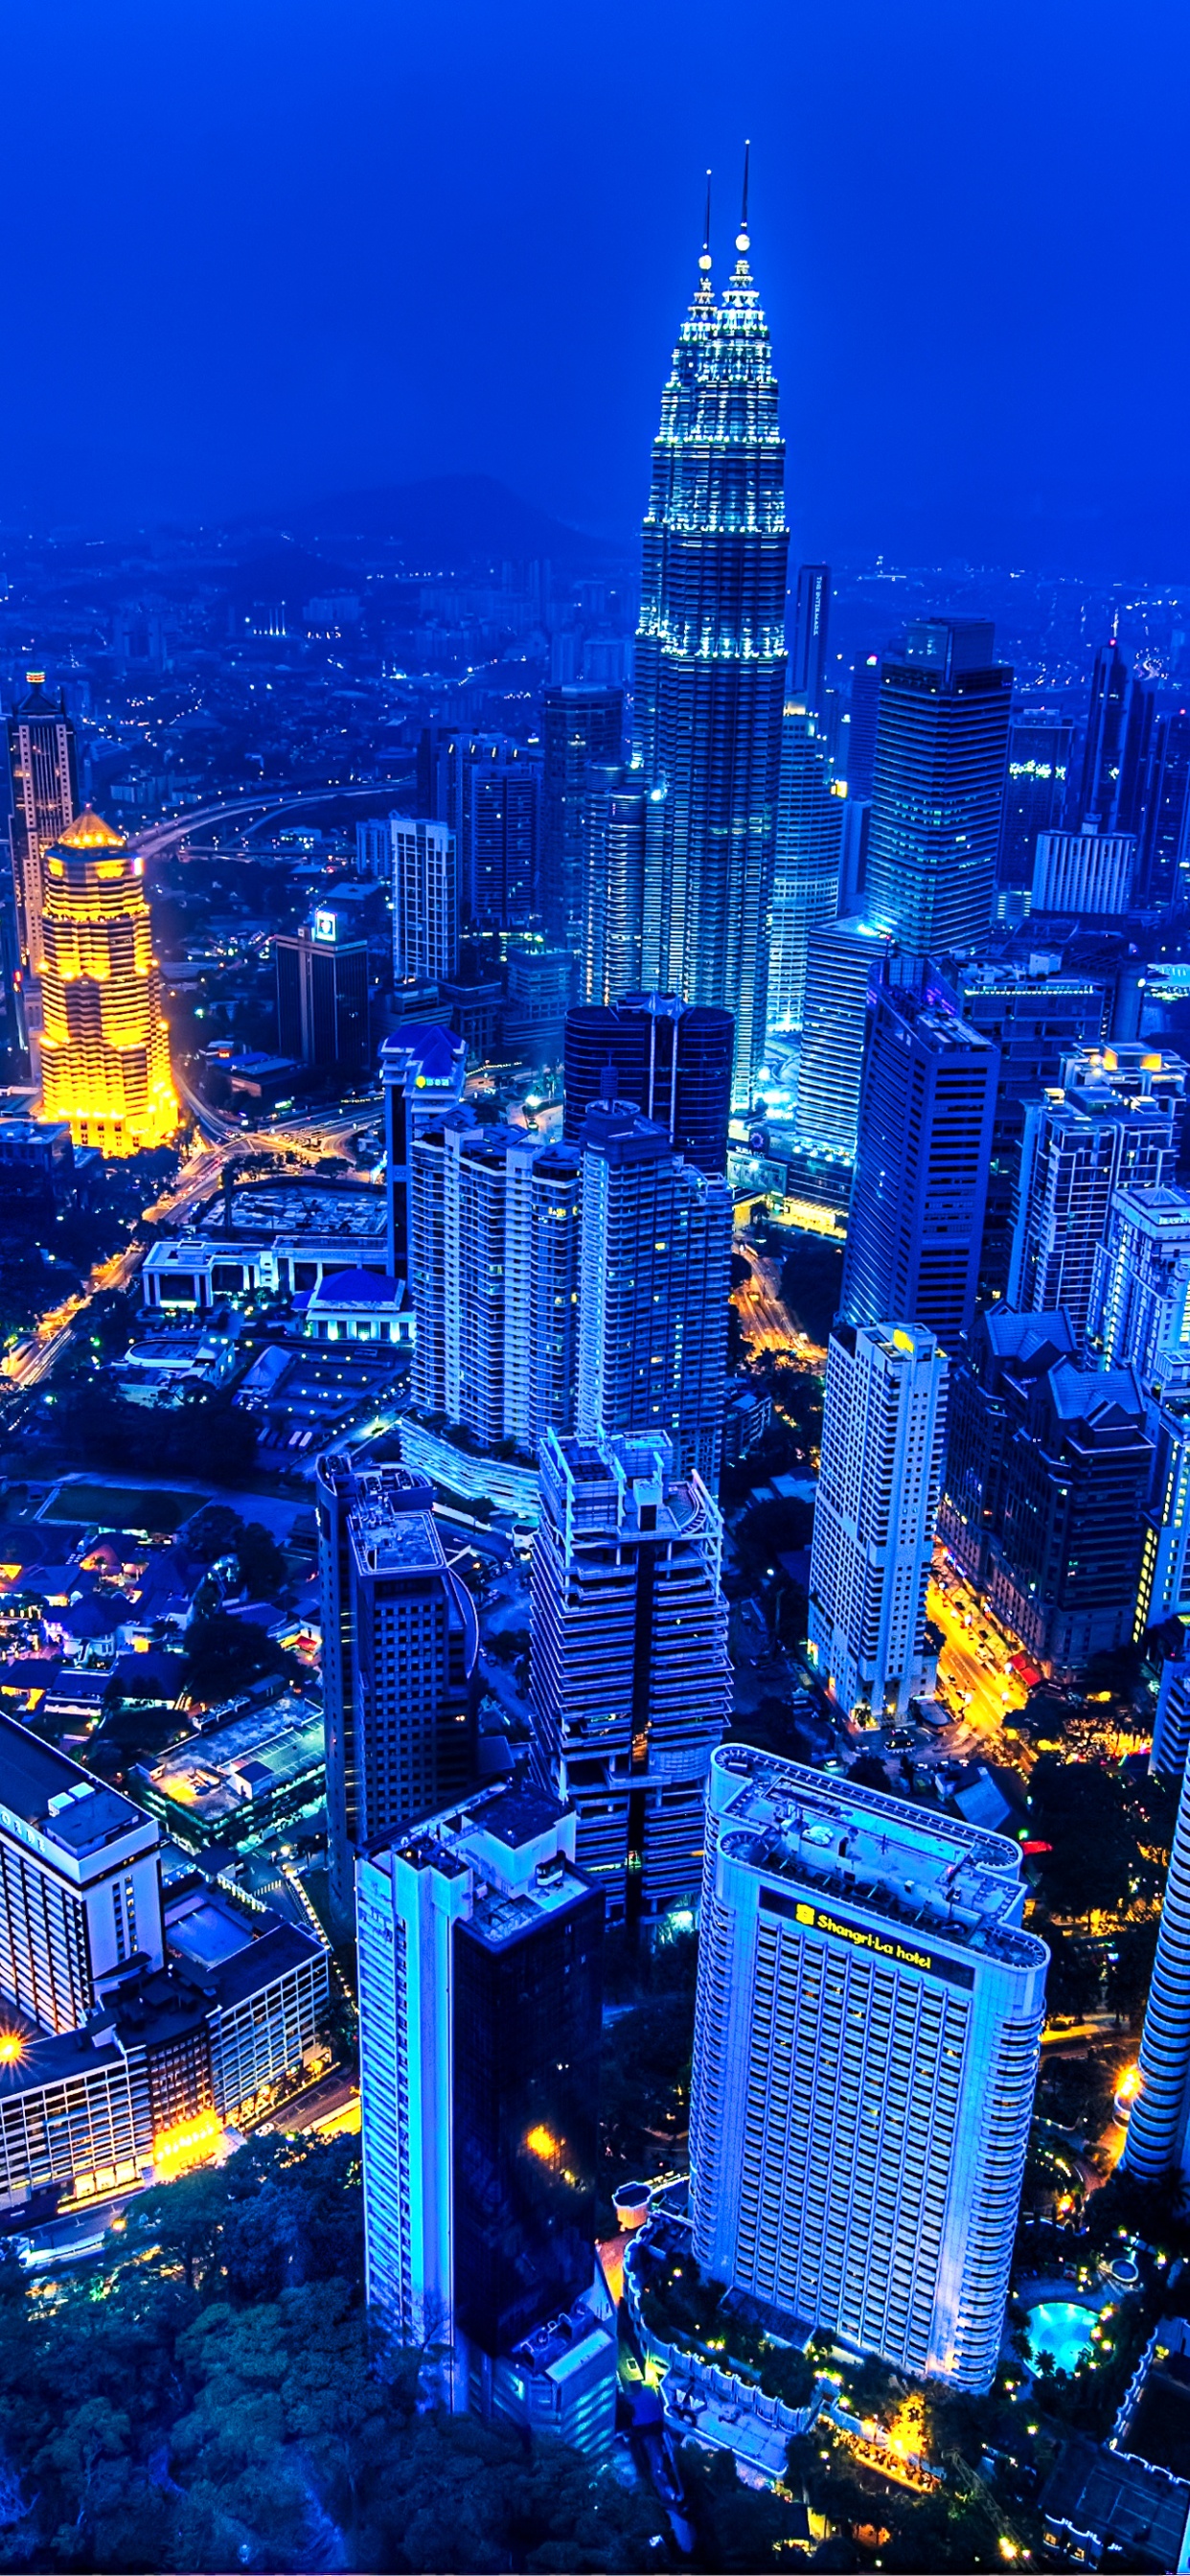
[449, 519]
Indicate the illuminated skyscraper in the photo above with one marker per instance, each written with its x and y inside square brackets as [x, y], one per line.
[44, 800]
[806, 861]
[615, 809]
[581, 723]
[1158, 2142]
[866, 2040]
[811, 627]
[883, 1425]
[425, 899]
[104, 1042]
[710, 663]
[674, 1061]
[1034, 801]
[927, 1104]
[938, 788]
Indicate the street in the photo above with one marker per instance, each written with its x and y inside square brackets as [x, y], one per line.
[974, 1678]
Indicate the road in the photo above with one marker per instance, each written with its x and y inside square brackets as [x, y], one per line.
[985, 1692]
[32, 1360]
[265, 808]
[767, 1324]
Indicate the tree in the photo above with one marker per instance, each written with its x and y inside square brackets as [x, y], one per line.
[223, 1655]
[1079, 1809]
[261, 1563]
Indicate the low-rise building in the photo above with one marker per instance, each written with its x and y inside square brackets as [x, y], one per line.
[232, 1783]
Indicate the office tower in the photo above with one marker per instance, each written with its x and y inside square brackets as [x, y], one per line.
[480, 1989]
[1139, 1312]
[938, 786]
[1039, 754]
[615, 809]
[673, 1059]
[805, 862]
[710, 664]
[1164, 870]
[452, 765]
[990, 1388]
[494, 1276]
[841, 959]
[866, 2042]
[811, 628]
[1064, 1555]
[1113, 1121]
[883, 1424]
[1156, 2145]
[425, 900]
[400, 1641]
[1171, 1724]
[322, 994]
[631, 1682]
[374, 848]
[581, 723]
[860, 762]
[853, 852]
[1035, 1017]
[44, 779]
[78, 1875]
[501, 843]
[656, 1271]
[422, 1076]
[1116, 746]
[927, 1104]
[104, 1041]
[1088, 873]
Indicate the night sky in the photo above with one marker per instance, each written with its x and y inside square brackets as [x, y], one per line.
[260, 251]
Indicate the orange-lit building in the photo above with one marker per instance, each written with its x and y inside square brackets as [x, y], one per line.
[104, 1041]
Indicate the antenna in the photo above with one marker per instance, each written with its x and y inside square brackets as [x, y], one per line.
[705, 261]
[742, 237]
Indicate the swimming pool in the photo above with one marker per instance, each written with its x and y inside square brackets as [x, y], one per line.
[1061, 2327]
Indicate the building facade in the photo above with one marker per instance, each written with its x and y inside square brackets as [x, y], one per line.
[805, 862]
[104, 1043]
[875, 1514]
[480, 1969]
[426, 894]
[494, 1275]
[1158, 2146]
[1113, 1121]
[43, 776]
[866, 2044]
[1140, 1292]
[926, 1114]
[615, 820]
[710, 664]
[631, 1683]
[1088, 873]
[422, 1074]
[1035, 1018]
[670, 1057]
[842, 959]
[582, 723]
[322, 995]
[1064, 1560]
[938, 785]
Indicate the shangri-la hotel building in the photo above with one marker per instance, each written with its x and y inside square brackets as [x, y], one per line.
[104, 1042]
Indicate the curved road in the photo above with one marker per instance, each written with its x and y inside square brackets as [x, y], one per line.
[162, 836]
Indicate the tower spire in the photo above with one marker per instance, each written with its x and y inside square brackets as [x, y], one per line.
[705, 261]
[742, 237]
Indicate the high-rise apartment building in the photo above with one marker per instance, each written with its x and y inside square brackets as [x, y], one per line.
[710, 664]
[322, 994]
[938, 785]
[842, 959]
[988, 1399]
[1113, 1120]
[1140, 1294]
[631, 1682]
[43, 774]
[656, 1271]
[805, 862]
[615, 816]
[672, 1058]
[811, 631]
[501, 845]
[1036, 1017]
[480, 1989]
[1039, 756]
[426, 894]
[494, 1277]
[400, 1641]
[582, 723]
[926, 1112]
[876, 1510]
[866, 2043]
[104, 1042]
[1064, 1555]
[422, 1076]
[1088, 874]
[1158, 2142]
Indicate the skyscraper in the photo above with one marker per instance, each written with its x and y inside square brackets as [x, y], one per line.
[104, 1041]
[501, 852]
[1065, 1550]
[1088, 873]
[322, 994]
[988, 1398]
[1140, 1294]
[480, 1977]
[1116, 745]
[45, 798]
[615, 809]
[917, 1202]
[400, 1640]
[494, 1276]
[866, 2041]
[1039, 753]
[631, 1682]
[1158, 2144]
[422, 1076]
[875, 1514]
[1164, 874]
[1113, 1120]
[656, 1270]
[1036, 1017]
[860, 761]
[805, 862]
[710, 663]
[938, 785]
[425, 900]
[581, 723]
[672, 1058]
[811, 630]
[842, 958]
